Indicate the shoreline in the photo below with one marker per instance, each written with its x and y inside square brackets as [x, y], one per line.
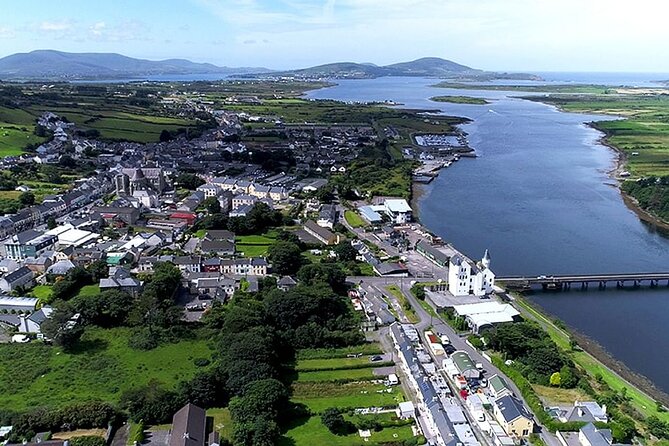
[587, 344]
[601, 355]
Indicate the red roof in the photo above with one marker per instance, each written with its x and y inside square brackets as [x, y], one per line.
[183, 215]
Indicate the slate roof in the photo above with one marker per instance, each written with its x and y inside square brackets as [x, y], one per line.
[512, 408]
[188, 426]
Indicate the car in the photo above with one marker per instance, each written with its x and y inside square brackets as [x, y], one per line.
[449, 349]
[376, 358]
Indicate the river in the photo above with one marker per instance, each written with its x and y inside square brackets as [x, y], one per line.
[540, 199]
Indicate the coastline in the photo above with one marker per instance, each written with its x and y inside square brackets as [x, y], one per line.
[614, 174]
[600, 354]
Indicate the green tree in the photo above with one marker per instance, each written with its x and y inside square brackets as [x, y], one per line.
[286, 257]
[61, 328]
[345, 251]
[189, 181]
[51, 223]
[335, 422]
[27, 199]
[212, 205]
[555, 379]
[165, 136]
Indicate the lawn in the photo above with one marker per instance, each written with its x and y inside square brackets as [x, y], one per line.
[353, 219]
[323, 353]
[318, 396]
[222, 421]
[311, 431]
[102, 368]
[334, 363]
[89, 290]
[42, 292]
[345, 375]
[254, 245]
[557, 396]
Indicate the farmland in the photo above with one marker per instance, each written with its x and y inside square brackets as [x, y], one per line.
[102, 367]
[343, 379]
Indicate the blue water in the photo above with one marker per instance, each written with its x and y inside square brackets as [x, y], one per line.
[540, 198]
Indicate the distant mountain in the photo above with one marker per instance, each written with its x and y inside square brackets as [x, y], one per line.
[425, 67]
[50, 64]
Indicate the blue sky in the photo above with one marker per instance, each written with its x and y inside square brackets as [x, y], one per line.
[533, 35]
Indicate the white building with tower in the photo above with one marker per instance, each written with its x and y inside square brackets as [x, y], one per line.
[468, 278]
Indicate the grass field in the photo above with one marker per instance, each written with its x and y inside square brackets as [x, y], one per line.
[102, 368]
[89, 290]
[334, 363]
[311, 431]
[16, 131]
[555, 395]
[353, 219]
[254, 245]
[318, 396]
[337, 375]
[564, 88]
[324, 353]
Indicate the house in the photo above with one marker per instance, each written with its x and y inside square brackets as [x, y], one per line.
[512, 415]
[286, 283]
[209, 190]
[243, 200]
[327, 216]
[497, 387]
[120, 279]
[398, 210]
[589, 435]
[391, 269]
[118, 215]
[60, 268]
[33, 322]
[38, 264]
[486, 315]
[217, 247]
[585, 411]
[405, 410]
[189, 426]
[315, 185]
[22, 277]
[432, 253]
[255, 266]
[370, 214]
[321, 234]
[191, 264]
[465, 277]
[216, 287]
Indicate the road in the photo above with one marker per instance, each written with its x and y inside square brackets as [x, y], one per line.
[438, 325]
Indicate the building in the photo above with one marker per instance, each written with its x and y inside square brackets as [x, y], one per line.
[465, 277]
[327, 216]
[33, 322]
[189, 426]
[497, 387]
[432, 253]
[486, 315]
[514, 418]
[286, 283]
[464, 365]
[145, 178]
[398, 210]
[584, 411]
[121, 279]
[406, 410]
[30, 243]
[22, 277]
[18, 304]
[370, 214]
[323, 235]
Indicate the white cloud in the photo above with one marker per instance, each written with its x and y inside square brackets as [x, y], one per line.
[56, 27]
[7, 32]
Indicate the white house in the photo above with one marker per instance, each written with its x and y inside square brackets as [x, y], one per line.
[398, 210]
[465, 277]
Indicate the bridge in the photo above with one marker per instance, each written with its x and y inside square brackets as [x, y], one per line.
[601, 280]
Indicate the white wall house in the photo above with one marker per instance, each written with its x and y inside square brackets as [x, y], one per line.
[398, 210]
[465, 277]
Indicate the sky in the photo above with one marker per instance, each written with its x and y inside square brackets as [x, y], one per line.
[509, 35]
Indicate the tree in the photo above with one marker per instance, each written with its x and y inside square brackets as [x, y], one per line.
[327, 273]
[109, 308]
[623, 429]
[151, 403]
[335, 422]
[165, 136]
[286, 257]
[88, 440]
[62, 328]
[212, 205]
[418, 290]
[51, 223]
[27, 199]
[345, 251]
[657, 427]
[189, 181]
[555, 379]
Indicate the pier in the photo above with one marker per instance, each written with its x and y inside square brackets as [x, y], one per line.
[565, 282]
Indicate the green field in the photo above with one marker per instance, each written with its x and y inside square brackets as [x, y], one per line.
[35, 375]
[254, 245]
[460, 100]
[42, 292]
[318, 396]
[334, 363]
[324, 353]
[404, 303]
[337, 375]
[16, 131]
[353, 219]
[222, 422]
[311, 431]
[89, 290]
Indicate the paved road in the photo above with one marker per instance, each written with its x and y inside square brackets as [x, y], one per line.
[438, 325]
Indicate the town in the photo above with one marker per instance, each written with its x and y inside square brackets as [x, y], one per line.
[294, 245]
